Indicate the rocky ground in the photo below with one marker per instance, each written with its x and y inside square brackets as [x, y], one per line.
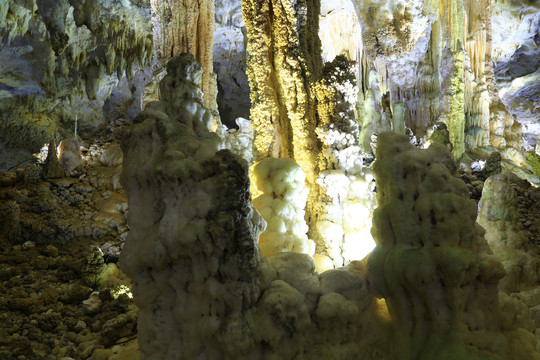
[53, 307]
[62, 295]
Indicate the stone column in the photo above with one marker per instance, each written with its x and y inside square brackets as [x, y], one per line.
[432, 263]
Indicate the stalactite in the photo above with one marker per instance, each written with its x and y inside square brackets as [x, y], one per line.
[184, 26]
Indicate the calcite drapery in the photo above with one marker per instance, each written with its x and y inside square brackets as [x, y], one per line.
[432, 263]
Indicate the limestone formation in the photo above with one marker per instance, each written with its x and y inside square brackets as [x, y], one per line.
[300, 110]
[52, 168]
[69, 155]
[191, 247]
[284, 63]
[432, 263]
[343, 213]
[443, 51]
[184, 27]
[279, 194]
[328, 78]
[230, 61]
[508, 211]
[515, 52]
[200, 284]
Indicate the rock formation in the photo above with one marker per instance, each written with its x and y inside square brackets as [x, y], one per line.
[279, 194]
[432, 263]
[199, 283]
[507, 210]
[192, 229]
[184, 27]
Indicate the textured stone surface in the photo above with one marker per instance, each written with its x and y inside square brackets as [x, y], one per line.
[61, 209]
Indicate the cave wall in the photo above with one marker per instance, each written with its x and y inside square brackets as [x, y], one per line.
[516, 39]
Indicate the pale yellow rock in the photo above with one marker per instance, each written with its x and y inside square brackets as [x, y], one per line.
[322, 263]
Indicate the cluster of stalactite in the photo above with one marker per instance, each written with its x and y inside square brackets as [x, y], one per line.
[455, 80]
[184, 27]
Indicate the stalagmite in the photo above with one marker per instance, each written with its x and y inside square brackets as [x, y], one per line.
[273, 261]
[191, 248]
[279, 194]
[432, 263]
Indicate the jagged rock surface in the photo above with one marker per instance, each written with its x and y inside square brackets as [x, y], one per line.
[516, 51]
[60, 210]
